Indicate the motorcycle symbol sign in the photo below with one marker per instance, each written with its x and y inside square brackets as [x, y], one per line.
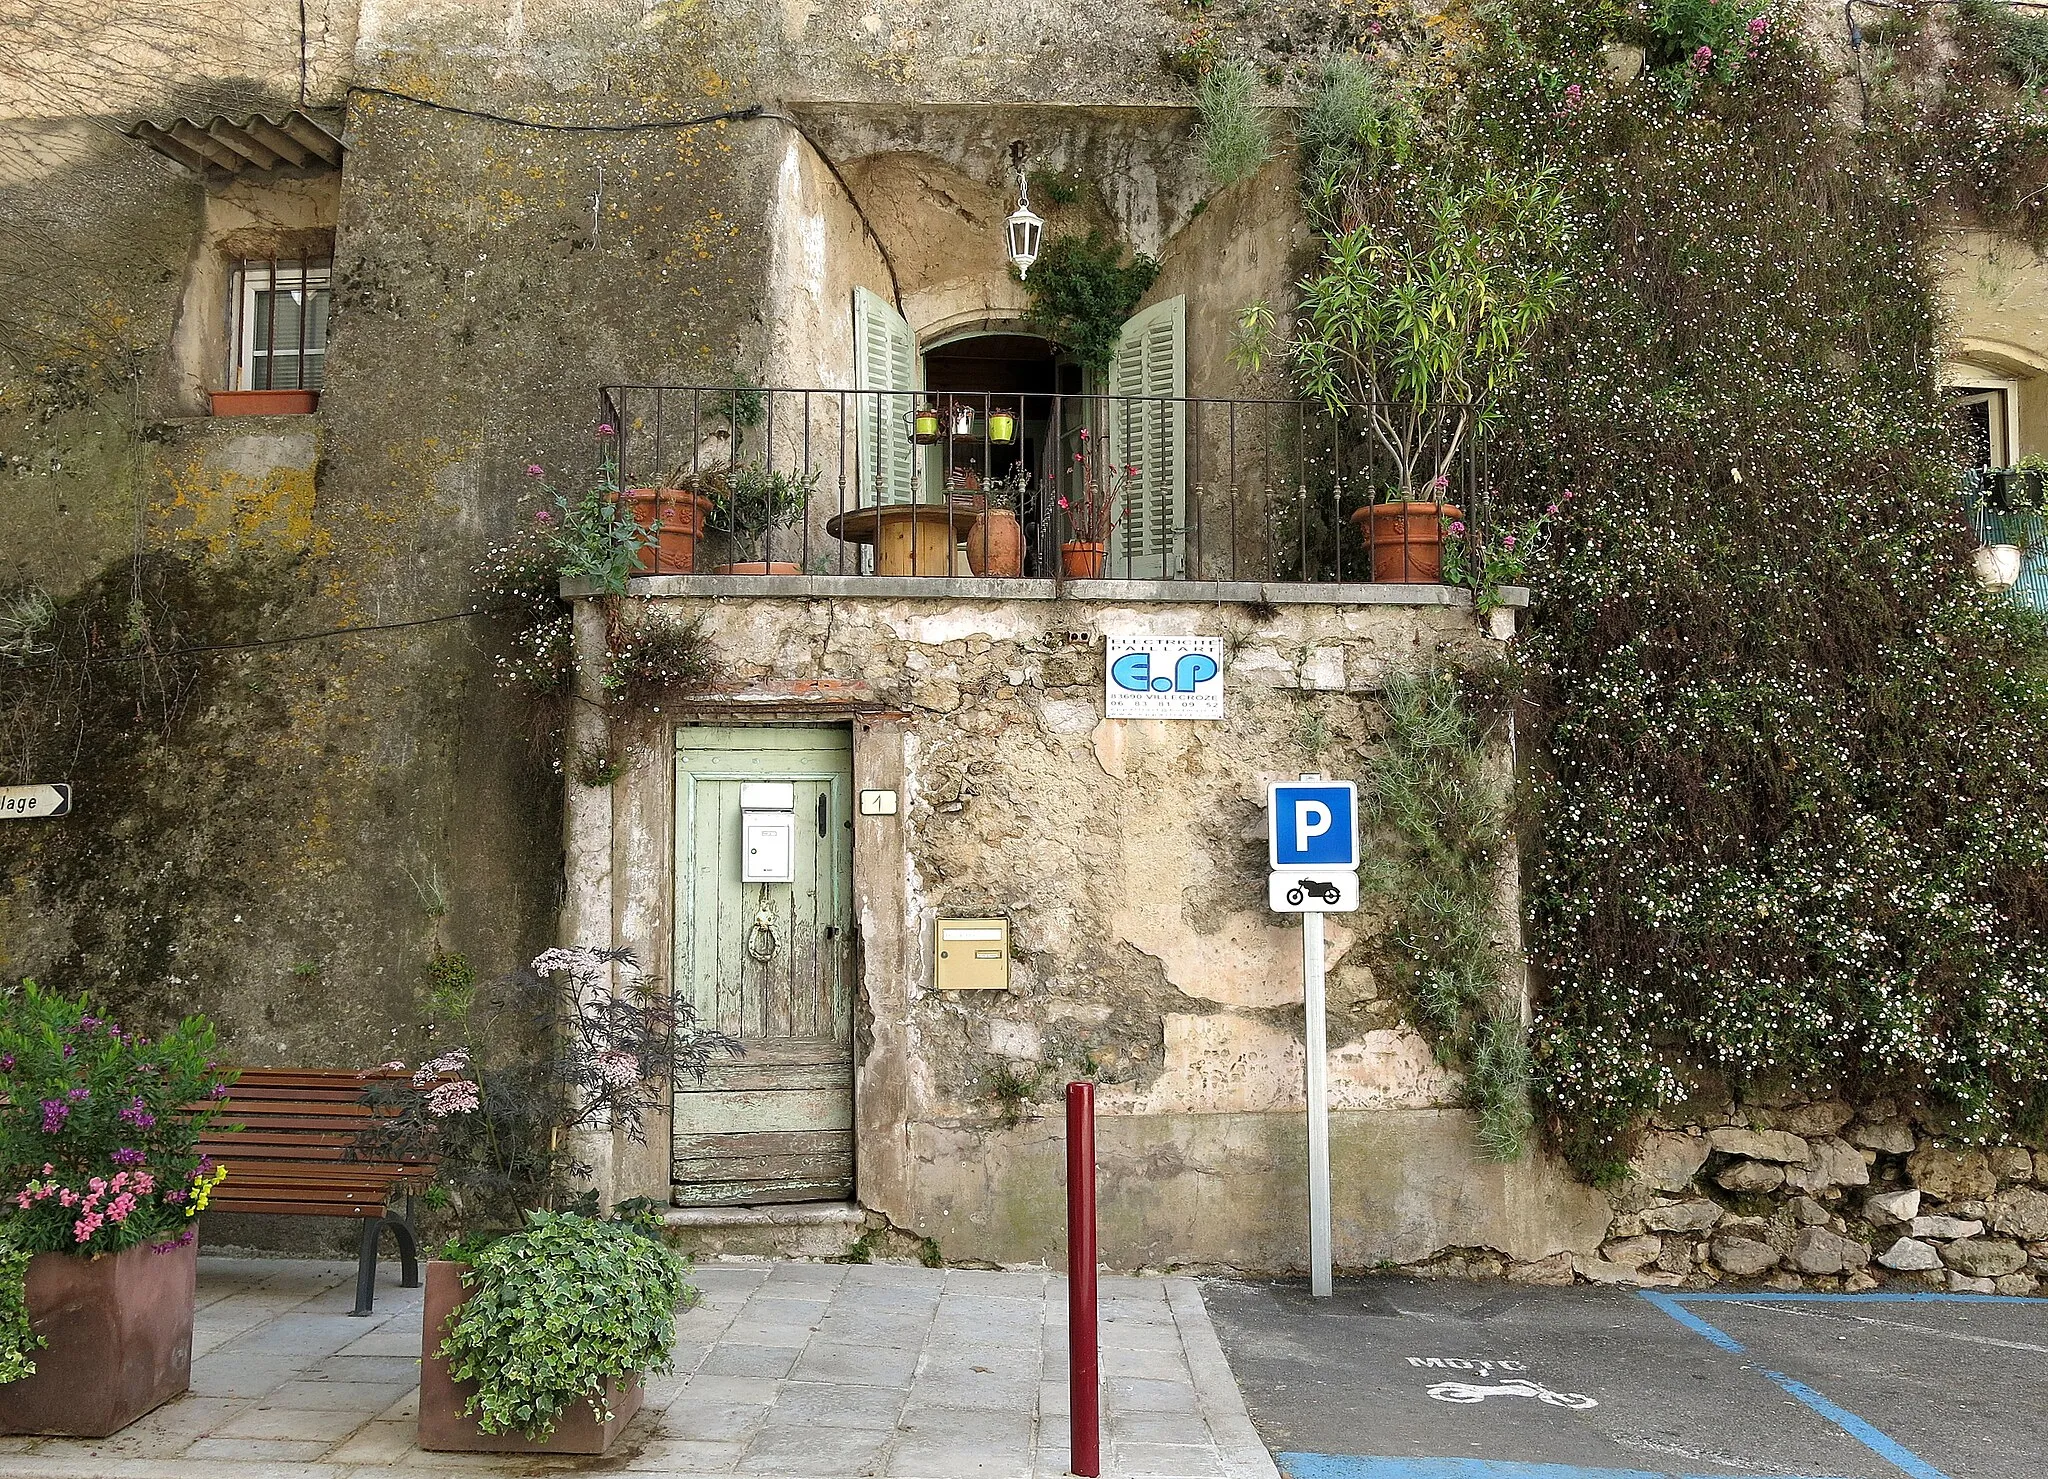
[1465, 1391]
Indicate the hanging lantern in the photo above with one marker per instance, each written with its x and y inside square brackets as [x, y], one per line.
[1024, 230]
[963, 419]
[1002, 426]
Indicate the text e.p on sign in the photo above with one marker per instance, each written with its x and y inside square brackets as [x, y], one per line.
[50, 799]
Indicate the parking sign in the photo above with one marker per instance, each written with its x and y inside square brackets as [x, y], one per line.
[1314, 824]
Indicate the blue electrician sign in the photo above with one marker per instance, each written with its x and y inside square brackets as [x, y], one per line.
[1314, 824]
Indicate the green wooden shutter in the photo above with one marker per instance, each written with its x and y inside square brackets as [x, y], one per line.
[884, 359]
[1150, 539]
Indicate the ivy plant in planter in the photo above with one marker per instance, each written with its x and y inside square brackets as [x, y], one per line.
[554, 1329]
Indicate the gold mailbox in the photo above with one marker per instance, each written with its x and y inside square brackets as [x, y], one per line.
[972, 955]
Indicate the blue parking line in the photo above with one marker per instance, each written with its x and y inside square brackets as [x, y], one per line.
[1891, 1451]
[1338, 1466]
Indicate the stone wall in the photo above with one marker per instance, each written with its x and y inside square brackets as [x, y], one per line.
[1130, 857]
[1816, 1195]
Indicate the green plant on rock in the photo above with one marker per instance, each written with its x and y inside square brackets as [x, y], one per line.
[1013, 1091]
[654, 660]
[1236, 139]
[1082, 290]
[1438, 806]
[451, 984]
[555, 1312]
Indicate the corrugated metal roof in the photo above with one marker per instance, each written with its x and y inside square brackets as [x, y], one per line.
[254, 145]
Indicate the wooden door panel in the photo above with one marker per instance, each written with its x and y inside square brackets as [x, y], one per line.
[769, 963]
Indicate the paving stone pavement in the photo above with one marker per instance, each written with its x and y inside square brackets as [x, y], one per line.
[785, 1370]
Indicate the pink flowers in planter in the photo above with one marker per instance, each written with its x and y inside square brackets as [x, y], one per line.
[103, 1201]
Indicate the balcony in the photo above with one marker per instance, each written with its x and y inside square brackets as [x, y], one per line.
[2004, 507]
[1191, 498]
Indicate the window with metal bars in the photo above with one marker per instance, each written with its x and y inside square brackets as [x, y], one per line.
[280, 331]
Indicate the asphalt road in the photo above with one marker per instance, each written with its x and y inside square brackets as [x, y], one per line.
[1410, 1379]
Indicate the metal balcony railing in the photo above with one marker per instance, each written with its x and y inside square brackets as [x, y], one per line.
[960, 482]
[2004, 508]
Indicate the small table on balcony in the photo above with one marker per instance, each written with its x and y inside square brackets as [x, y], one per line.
[909, 538]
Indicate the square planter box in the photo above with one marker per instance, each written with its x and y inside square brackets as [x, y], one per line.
[444, 1428]
[119, 1333]
[262, 402]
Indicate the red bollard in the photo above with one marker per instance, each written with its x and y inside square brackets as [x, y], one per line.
[1084, 1373]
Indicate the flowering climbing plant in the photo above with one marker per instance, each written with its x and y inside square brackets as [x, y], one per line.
[1484, 560]
[100, 1127]
[581, 1038]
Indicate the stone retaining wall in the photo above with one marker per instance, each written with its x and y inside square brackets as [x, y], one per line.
[1813, 1196]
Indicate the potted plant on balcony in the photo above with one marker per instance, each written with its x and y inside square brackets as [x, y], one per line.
[99, 1129]
[1101, 499]
[748, 503]
[538, 1327]
[995, 545]
[598, 535]
[1420, 314]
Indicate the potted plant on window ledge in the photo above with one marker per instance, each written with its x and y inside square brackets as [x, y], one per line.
[100, 1131]
[749, 502]
[542, 1317]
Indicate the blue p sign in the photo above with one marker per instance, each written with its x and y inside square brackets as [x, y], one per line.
[1314, 824]
[1190, 670]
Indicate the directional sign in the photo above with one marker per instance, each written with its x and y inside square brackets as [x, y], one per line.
[1314, 824]
[52, 800]
[1323, 891]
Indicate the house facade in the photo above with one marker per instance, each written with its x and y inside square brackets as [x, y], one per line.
[328, 290]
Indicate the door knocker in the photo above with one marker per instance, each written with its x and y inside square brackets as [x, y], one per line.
[761, 942]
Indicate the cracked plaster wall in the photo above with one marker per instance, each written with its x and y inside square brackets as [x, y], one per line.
[1130, 858]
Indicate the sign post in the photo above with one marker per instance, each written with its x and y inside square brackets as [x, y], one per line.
[1314, 855]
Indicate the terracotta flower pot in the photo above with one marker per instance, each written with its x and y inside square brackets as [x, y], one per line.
[444, 1428]
[757, 567]
[119, 1333]
[1081, 559]
[683, 516]
[262, 402]
[1405, 540]
[995, 545]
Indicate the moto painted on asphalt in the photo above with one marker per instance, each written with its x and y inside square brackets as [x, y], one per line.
[1412, 1379]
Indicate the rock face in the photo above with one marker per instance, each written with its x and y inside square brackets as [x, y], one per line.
[1743, 1252]
[1761, 1145]
[1683, 1217]
[1892, 1208]
[1889, 1137]
[2011, 1163]
[1984, 1258]
[1669, 1162]
[1818, 1251]
[1946, 1229]
[1950, 1175]
[2021, 1213]
[1910, 1256]
[1751, 1176]
[1829, 1162]
[1632, 1252]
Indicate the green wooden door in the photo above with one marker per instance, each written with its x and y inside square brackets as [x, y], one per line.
[771, 963]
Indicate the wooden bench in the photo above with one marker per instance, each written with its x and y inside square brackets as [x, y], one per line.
[295, 1153]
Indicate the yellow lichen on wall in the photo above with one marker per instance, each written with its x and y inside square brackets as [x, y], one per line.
[238, 500]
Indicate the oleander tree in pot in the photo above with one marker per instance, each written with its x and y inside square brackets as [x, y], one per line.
[99, 1136]
[559, 1055]
[1439, 271]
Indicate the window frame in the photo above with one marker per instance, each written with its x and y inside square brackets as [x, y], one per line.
[1966, 382]
[271, 275]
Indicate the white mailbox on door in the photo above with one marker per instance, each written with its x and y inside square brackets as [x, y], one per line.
[768, 847]
[768, 832]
